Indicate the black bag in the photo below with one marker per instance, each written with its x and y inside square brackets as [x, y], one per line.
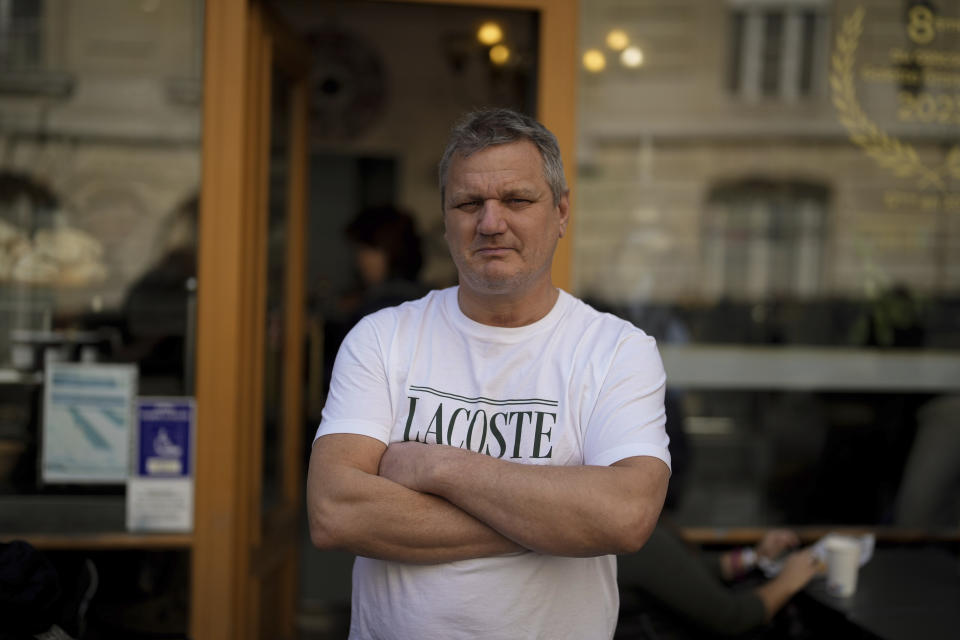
[29, 591]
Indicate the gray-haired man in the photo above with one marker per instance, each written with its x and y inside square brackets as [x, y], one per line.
[485, 449]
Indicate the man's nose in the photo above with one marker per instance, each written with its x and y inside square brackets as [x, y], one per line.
[492, 220]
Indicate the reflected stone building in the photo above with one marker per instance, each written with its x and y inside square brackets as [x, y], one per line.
[99, 107]
[781, 177]
[768, 150]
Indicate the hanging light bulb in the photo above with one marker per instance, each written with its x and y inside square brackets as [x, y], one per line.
[499, 54]
[489, 33]
[632, 57]
[594, 61]
[617, 39]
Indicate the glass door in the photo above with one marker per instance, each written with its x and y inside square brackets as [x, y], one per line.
[388, 81]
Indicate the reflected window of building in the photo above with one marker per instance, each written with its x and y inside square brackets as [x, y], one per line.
[764, 240]
[24, 203]
[774, 47]
[21, 36]
[25, 207]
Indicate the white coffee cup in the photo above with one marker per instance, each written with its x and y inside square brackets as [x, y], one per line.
[843, 565]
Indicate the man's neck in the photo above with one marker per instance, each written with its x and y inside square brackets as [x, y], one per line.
[508, 310]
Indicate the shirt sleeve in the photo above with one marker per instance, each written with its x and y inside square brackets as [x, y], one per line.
[359, 397]
[628, 418]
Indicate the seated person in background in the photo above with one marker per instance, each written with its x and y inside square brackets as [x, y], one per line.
[673, 591]
[387, 253]
[695, 587]
[156, 311]
[929, 494]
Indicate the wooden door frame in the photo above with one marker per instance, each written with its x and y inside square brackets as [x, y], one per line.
[232, 549]
[231, 291]
[223, 359]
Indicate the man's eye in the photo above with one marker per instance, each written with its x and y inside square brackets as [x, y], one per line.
[518, 201]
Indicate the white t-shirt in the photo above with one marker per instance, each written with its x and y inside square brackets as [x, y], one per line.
[576, 387]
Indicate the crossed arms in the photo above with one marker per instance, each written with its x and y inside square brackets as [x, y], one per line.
[418, 503]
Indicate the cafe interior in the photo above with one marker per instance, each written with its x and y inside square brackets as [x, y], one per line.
[770, 188]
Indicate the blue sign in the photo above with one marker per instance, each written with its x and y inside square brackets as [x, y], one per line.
[165, 439]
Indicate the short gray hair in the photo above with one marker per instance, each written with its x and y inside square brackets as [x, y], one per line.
[489, 127]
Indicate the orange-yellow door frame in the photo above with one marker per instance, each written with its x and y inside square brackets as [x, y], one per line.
[219, 565]
[237, 562]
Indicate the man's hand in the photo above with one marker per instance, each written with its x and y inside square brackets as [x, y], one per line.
[404, 463]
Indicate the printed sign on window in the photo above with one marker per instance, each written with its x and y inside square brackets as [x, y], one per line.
[160, 490]
[87, 422]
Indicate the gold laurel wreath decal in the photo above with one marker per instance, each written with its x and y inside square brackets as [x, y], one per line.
[889, 152]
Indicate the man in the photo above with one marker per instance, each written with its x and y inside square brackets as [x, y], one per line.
[486, 448]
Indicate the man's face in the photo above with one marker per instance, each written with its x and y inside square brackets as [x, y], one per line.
[500, 220]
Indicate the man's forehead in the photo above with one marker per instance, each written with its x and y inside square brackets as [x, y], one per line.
[500, 176]
[521, 147]
[494, 182]
[501, 164]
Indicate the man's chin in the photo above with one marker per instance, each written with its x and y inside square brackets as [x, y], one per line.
[494, 283]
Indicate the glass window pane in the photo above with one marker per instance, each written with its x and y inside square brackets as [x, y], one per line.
[778, 208]
[810, 26]
[736, 50]
[99, 189]
[772, 52]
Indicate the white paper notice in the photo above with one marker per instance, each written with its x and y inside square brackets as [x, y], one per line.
[87, 421]
[160, 504]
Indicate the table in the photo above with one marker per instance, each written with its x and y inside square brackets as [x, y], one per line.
[902, 593]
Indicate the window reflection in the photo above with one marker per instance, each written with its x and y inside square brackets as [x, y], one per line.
[99, 178]
[21, 36]
[764, 240]
[99, 173]
[773, 47]
[768, 181]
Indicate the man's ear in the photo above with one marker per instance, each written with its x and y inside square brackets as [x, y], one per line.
[563, 208]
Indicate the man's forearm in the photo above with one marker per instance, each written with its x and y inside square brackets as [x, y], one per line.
[572, 511]
[353, 509]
